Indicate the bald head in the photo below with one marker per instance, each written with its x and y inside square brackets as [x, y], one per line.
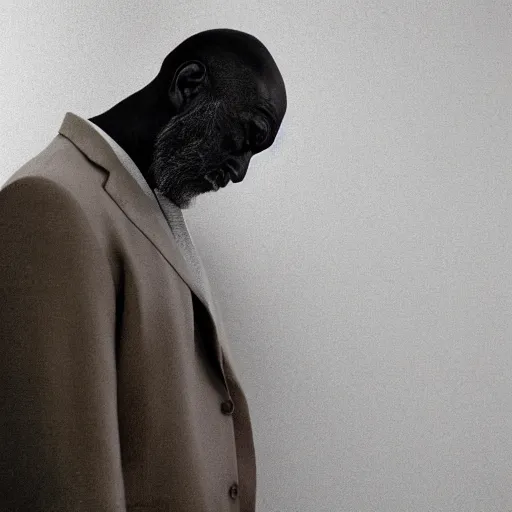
[233, 60]
[217, 100]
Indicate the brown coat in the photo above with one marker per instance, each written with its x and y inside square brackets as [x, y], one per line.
[116, 383]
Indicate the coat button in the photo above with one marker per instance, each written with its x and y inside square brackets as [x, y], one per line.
[227, 407]
[233, 491]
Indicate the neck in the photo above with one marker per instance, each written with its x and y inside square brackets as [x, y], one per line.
[135, 122]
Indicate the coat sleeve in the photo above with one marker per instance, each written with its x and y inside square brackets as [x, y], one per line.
[59, 436]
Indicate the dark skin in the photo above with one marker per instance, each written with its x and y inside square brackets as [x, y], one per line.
[218, 100]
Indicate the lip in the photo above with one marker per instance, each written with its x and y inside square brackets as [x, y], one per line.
[227, 177]
[221, 179]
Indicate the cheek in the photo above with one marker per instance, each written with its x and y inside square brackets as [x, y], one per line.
[233, 141]
[231, 133]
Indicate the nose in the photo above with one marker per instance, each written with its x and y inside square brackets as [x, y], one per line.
[237, 168]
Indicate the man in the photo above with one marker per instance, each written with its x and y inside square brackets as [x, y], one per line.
[117, 387]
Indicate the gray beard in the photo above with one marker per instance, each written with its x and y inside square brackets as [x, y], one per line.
[187, 149]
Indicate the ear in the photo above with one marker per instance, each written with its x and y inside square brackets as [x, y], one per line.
[189, 80]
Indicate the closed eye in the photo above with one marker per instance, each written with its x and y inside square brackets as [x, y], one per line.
[259, 135]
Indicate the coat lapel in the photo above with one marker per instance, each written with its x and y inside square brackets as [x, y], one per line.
[142, 210]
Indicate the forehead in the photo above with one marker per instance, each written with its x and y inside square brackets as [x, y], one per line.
[258, 97]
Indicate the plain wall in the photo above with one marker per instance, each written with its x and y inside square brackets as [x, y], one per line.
[363, 267]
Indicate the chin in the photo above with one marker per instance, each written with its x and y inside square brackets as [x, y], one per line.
[187, 201]
[187, 198]
[189, 204]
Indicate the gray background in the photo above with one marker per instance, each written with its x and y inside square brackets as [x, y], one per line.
[363, 267]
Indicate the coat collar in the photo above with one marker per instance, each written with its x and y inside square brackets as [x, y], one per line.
[143, 210]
